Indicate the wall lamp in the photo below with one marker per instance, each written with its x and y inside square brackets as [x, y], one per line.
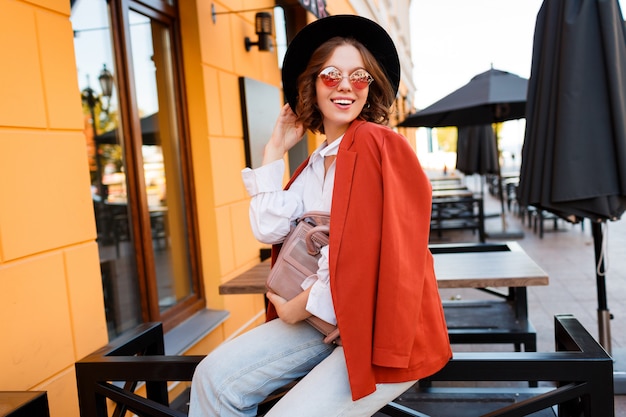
[262, 27]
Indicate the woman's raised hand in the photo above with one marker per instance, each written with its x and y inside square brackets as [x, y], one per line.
[287, 132]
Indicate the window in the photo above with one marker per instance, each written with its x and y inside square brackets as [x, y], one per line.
[129, 76]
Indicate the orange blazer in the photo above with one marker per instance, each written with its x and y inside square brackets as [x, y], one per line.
[382, 278]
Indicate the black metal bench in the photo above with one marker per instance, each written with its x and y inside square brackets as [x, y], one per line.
[458, 213]
[580, 369]
[488, 322]
[581, 372]
[24, 404]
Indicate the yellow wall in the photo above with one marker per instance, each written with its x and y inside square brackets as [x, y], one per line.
[213, 63]
[51, 304]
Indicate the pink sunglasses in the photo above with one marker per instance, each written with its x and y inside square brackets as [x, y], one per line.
[331, 77]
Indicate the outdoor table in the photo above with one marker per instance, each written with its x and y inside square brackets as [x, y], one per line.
[485, 267]
[437, 186]
[455, 192]
[445, 179]
[250, 282]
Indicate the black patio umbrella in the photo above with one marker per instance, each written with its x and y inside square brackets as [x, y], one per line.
[149, 132]
[490, 97]
[574, 152]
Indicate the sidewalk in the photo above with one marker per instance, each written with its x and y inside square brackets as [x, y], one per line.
[567, 255]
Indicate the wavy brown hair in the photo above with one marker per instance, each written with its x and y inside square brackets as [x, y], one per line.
[379, 99]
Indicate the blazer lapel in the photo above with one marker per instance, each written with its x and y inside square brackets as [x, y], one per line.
[344, 171]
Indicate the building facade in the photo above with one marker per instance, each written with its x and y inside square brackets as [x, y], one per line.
[124, 126]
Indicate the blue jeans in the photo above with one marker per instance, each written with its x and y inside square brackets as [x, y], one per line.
[240, 373]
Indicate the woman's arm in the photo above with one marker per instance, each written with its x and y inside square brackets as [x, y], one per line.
[272, 209]
[292, 311]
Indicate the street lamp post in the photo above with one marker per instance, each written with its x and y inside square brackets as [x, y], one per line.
[106, 85]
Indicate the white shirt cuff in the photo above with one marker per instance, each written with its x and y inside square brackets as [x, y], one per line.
[320, 303]
[266, 178]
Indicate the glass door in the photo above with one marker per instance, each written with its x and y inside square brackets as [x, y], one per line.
[163, 183]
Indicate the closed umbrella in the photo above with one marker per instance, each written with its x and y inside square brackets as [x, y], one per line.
[490, 97]
[476, 151]
[574, 152]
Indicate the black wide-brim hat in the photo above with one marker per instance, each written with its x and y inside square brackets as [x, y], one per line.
[312, 36]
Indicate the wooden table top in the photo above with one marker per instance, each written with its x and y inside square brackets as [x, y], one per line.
[487, 269]
[250, 282]
[444, 178]
[448, 186]
[513, 268]
[457, 192]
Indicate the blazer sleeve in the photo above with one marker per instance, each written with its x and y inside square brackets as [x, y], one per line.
[404, 253]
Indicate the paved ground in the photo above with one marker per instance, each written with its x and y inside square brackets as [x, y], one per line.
[567, 255]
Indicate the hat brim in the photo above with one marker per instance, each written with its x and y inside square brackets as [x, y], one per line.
[369, 33]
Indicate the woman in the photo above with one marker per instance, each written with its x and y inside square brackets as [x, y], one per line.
[375, 279]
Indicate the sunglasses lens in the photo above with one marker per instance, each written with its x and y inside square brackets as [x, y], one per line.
[331, 77]
[360, 79]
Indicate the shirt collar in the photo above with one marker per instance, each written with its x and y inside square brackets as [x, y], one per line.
[331, 149]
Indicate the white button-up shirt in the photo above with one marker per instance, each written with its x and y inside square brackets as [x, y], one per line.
[272, 210]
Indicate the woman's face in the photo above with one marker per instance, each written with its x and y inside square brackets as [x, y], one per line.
[341, 104]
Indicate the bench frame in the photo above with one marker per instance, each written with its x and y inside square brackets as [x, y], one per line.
[24, 404]
[458, 213]
[581, 368]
